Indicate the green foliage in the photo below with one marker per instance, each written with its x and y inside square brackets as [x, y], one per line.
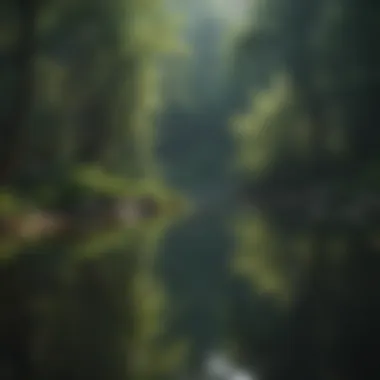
[268, 127]
[312, 126]
[152, 356]
[10, 204]
[89, 103]
[256, 256]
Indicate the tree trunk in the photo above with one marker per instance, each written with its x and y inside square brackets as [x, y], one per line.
[13, 126]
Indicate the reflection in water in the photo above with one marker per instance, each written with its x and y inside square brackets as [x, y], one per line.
[194, 263]
[79, 307]
[64, 314]
[85, 303]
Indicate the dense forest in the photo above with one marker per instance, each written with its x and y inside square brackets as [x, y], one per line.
[81, 203]
[309, 158]
[182, 176]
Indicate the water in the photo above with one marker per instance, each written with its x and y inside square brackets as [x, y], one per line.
[193, 262]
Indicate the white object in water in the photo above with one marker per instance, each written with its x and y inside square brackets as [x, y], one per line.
[220, 367]
[217, 366]
[242, 375]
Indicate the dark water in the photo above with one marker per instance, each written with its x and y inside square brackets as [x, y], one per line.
[65, 314]
[194, 263]
[194, 258]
